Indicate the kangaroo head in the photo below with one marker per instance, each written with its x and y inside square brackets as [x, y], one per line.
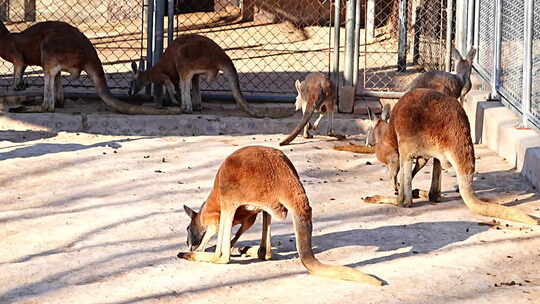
[195, 230]
[137, 82]
[378, 126]
[463, 68]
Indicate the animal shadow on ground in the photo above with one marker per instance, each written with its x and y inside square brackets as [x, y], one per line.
[24, 136]
[50, 148]
[417, 238]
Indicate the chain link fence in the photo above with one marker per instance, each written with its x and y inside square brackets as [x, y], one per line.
[486, 35]
[426, 42]
[510, 64]
[115, 27]
[271, 42]
[512, 27]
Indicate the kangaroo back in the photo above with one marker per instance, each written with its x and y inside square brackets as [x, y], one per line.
[456, 85]
[265, 178]
[429, 124]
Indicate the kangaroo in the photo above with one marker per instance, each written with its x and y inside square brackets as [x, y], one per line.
[57, 46]
[428, 124]
[315, 94]
[456, 85]
[189, 56]
[263, 178]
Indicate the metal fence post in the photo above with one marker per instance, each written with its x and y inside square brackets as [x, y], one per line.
[356, 52]
[449, 18]
[402, 45]
[527, 62]
[495, 78]
[170, 22]
[470, 25]
[149, 38]
[159, 16]
[461, 25]
[349, 44]
[337, 30]
[370, 19]
[347, 90]
[476, 26]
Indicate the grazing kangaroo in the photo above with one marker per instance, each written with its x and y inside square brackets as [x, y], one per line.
[456, 85]
[189, 56]
[315, 94]
[57, 46]
[262, 178]
[428, 124]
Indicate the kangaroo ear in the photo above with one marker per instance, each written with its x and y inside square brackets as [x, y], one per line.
[456, 55]
[189, 212]
[385, 112]
[470, 55]
[298, 85]
[134, 67]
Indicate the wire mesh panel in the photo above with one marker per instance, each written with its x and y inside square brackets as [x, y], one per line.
[426, 42]
[486, 35]
[113, 26]
[535, 98]
[271, 42]
[512, 26]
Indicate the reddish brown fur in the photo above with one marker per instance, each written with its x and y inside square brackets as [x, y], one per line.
[456, 85]
[189, 56]
[428, 124]
[57, 46]
[315, 94]
[264, 178]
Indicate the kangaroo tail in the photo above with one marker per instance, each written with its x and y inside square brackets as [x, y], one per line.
[232, 76]
[489, 209]
[303, 230]
[98, 76]
[307, 116]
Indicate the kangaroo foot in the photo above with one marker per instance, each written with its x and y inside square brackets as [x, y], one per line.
[338, 136]
[381, 199]
[256, 251]
[199, 256]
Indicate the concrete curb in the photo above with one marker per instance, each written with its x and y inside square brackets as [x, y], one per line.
[167, 125]
[494, 125]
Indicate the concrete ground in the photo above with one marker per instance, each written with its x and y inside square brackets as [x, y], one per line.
[98, 219]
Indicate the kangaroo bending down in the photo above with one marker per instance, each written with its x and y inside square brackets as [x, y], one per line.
[315, 94]
[456, 85]
[261, 178]
[57, 46]
[428, 124]
[189, 56]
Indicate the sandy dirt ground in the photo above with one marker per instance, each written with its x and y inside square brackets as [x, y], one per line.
[99, 219]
